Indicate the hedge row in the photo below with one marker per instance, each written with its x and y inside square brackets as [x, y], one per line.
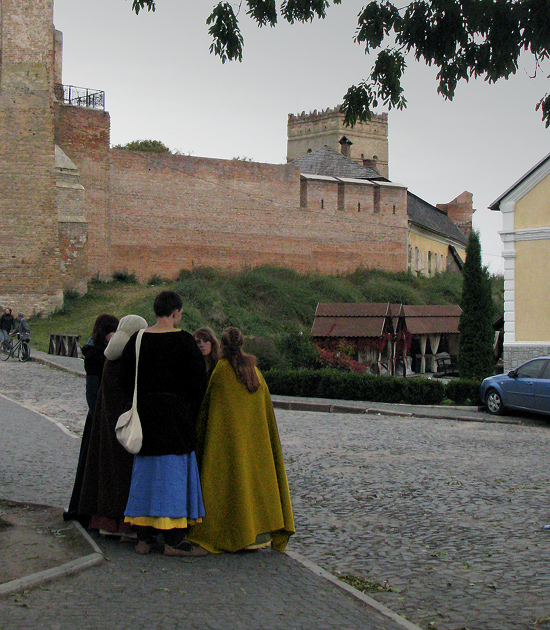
[338, 384]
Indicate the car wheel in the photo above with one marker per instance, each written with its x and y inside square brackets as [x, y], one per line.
[494, 404]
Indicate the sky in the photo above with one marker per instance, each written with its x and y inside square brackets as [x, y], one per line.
[162, 83]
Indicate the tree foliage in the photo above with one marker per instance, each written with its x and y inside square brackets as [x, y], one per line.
[151, 146]
[475, 356]
[464, 39]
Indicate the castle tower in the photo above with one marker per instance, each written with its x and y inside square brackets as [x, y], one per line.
[367, 142]
[460, 211]
[30, 277]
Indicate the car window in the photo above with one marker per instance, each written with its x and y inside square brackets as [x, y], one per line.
[546, 374]
[531, 369]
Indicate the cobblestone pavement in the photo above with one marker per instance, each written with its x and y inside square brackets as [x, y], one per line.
[446, 514]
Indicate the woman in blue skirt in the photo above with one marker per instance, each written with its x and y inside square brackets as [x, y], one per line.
[165, 495]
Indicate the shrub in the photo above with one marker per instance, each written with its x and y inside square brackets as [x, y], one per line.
[338, 384]
[156, 280]
[462, 390]
[423, 391]
[298, 350]
[124, 277]
[265, 351]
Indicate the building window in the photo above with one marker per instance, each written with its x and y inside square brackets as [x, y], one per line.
[416, 259]
[410, 255]
[303, 193]
[322, 204]
[358, 206]
[376, 199]
[341, 197]
[429, 263]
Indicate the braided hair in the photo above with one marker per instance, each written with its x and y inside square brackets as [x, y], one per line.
[243, 364]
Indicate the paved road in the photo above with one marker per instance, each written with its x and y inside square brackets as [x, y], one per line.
[265, 590]
[446, 514]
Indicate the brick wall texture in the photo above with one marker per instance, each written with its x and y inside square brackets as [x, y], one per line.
[29, 256]
[174, 212]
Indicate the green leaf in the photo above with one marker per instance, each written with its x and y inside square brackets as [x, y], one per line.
[263, 11]
[138, 5]
[224, 29]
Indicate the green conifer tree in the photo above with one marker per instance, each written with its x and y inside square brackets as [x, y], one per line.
[475, 359]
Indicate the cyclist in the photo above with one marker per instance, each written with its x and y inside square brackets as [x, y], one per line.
[7, 322]
[23, 332]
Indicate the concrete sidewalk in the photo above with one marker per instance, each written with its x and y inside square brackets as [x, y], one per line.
[250, 591]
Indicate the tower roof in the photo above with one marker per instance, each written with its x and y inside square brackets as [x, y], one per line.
[431, 218]
[327, 161]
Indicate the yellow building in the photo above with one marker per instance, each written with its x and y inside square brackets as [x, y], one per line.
[525, 208]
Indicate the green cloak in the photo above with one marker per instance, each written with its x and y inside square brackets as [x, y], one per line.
[242, 473]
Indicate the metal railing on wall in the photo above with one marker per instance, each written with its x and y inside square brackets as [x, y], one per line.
[80, 97]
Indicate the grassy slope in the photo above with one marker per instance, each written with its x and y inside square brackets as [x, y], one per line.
[262, 301]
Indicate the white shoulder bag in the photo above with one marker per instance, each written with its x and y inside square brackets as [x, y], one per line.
[128, 428]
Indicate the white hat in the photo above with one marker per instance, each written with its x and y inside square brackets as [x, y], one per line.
[127, 326]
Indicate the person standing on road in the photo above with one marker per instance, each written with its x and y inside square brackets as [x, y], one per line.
[22, 329]
[94, 358]
[108, 467]
[209, 347]
[94, 355]
[243, 477]
[7, 322]
[165, 493]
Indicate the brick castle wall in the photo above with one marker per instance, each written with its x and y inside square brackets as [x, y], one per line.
[84, 136]
[29, 257]
[174, 212]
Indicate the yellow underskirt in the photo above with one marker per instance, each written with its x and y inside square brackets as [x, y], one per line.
[162, 522]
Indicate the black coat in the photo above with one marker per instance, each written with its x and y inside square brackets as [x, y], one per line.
[171, 385]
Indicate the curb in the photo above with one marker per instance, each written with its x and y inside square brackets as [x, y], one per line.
[55, 365]
[366, 599]
[328, 408]
[69, 568]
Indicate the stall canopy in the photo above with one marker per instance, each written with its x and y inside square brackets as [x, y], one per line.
[340, 319]
[393, 326]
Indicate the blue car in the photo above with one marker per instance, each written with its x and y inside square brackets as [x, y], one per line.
[527, 387]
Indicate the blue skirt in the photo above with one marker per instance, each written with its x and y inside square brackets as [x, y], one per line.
[165, 486]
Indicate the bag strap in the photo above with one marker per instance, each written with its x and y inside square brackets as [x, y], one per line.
[138, 347]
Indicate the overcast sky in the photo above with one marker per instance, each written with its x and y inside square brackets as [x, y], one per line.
[162, 83]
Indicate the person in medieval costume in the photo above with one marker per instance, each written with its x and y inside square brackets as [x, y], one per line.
[243, 478]
[108, 467]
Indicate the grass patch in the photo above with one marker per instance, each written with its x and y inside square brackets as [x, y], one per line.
[364, 585]
[264, 302]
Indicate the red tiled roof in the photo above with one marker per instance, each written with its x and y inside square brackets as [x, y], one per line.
[342, 319]
[432, 310]
[348, 326]
[345, 309]
[432, 325]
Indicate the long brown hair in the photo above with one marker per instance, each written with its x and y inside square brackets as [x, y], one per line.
[104, 324]
[207, 334]
[243, 364]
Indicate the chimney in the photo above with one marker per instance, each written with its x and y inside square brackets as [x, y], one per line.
[460, 211]
[345, 145]
[371, 163]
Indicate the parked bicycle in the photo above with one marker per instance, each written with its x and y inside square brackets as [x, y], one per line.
[7, 344]
[20, 350]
